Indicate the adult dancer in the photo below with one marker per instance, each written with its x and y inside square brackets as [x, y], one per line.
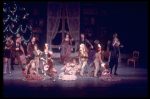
[7, 54]
[37, 55]
[22, 56]
[30, 49]
[114, 56]
[115, 38]
[17, 52]
[66, 48]
[84, 41]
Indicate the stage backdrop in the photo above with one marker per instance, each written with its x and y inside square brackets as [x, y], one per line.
[62, 10]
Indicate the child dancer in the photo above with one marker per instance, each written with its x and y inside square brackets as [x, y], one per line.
[97, 60]
[68, 73]
[31, 74]
[107, 76]
[51, 69]
[37, 54]
[83, 57]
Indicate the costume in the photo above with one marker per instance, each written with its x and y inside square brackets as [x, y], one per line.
[22, 56]
[106, 76]
[114, 58]
[117, 40]
[67, 74]
[91, 72]
[51, 71]
[97, 60]
[36, 58]
[65, 54]
[85, 42]
[83, 57]
[32, 75]
[17, 53]
[30, 49]
[7, 56]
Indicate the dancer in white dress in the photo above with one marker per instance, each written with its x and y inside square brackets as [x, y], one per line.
[68, 73]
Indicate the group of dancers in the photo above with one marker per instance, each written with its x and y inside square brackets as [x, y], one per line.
[14, 51]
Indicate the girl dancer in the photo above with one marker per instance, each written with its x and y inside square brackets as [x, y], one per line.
[51, 69]
[68, 73]
[37, 55]
[31, 74]
[83, 57]
[76, 66]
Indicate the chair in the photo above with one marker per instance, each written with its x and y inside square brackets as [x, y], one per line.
[134, 59]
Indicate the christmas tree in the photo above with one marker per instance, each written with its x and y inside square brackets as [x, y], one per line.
[15, 20]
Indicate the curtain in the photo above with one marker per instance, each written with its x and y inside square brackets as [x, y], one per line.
[53, 20]
[73, 19]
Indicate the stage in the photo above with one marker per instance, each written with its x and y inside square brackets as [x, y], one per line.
[134, 83]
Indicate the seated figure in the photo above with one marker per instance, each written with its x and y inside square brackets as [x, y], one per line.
[68, 73]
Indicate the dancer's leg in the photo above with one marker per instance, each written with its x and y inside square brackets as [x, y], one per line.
[96, 68]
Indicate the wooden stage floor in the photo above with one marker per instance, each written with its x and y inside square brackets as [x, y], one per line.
[134, 83]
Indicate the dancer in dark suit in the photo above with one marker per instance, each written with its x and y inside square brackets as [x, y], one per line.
[7, 54]
[114, 57]
[16, 52]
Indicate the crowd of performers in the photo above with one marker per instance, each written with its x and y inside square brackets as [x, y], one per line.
[14, 52]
